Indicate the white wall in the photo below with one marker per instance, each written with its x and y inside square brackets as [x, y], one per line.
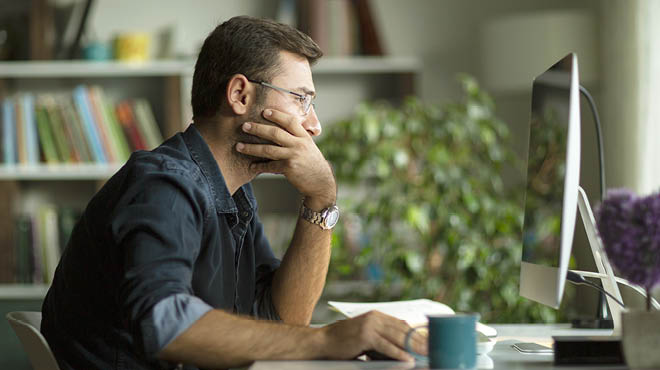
[445, 34]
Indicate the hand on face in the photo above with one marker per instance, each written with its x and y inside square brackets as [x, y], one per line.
[372, 331]
[293, 154]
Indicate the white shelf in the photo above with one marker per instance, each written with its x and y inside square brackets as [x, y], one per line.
[367, 64]
[81, 68]
[59, 171]
[23, 291]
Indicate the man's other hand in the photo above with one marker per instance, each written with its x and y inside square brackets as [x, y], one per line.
[295, 155]
[374, 330]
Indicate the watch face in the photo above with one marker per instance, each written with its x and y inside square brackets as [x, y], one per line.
[332, 218]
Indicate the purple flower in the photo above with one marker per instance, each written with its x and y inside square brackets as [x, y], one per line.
[630, 229]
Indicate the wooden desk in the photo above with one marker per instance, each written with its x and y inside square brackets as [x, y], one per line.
[502, 357]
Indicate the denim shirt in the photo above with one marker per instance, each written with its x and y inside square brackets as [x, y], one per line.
[161, 244]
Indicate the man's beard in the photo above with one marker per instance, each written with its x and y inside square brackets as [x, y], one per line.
[243, 137]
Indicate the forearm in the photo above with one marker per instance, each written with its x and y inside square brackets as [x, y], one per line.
[299, 281]
[222, 340]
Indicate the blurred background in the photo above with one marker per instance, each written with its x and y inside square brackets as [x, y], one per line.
[425, 106]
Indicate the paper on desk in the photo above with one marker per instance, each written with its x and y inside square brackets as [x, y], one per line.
[413, 312]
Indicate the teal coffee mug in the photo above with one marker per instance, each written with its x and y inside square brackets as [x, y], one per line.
[452, 341]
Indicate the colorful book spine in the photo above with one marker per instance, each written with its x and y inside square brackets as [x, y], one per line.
[114, 130]
[72, 120]
[127, 121]
[21, 143]
[147, 123]
[122, 140]
[30, 127]
[82, 103]
[8, 132]
[109, 145]
[46, 136]
[59, 131]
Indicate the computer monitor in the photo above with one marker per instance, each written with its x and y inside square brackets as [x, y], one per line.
[553, 172]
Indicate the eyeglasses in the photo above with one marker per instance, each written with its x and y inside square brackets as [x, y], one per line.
[306, 100]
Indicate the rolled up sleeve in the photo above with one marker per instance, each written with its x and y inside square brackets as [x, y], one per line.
[158, 229]
[169, 318]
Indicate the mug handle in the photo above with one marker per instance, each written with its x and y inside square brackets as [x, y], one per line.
[418, 357]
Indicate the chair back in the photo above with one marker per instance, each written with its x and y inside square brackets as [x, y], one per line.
[27, 326]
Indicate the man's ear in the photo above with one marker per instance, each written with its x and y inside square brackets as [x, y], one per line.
[240, 94]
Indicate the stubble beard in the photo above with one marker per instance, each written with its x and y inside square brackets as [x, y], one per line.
[240, 136]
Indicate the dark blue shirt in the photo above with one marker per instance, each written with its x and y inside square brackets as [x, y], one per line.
[162, 243]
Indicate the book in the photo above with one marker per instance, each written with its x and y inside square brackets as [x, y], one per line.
[46, 139]
[30, 128]
[87, 119]
[21, 144]
[147, 123]
[24, 254]
[413, 312]
[316, 18]
[8, 193]
[369, 36]
[71, 119]
[8, 132]
[110, 118]
[107, 140]
[127, 121]
[2, 132]
[69, 17]
[36, 250]
[340, 26]
[64, 139]
[49, 238]
[286, 12]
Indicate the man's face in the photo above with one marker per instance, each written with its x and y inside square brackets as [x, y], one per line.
[295, 75]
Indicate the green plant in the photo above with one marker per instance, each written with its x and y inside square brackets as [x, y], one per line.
[427, 210]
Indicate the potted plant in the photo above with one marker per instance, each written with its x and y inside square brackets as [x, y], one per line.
[432, 202]
[630, 229]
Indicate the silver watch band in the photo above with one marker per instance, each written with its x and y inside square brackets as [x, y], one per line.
[326, 219]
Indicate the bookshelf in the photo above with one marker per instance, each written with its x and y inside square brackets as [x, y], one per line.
[82, 171]
[341, 83]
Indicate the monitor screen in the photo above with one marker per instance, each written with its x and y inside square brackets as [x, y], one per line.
[552, 182]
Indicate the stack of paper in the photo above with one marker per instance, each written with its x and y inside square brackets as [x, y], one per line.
[413, 312]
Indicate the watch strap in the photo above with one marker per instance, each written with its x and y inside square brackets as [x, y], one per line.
[317, 218]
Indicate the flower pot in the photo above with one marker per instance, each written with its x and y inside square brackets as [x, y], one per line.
[641, 339]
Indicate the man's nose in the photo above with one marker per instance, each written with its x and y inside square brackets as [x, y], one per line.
[312, 123]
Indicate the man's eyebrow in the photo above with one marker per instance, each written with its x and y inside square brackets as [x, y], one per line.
[307, 91]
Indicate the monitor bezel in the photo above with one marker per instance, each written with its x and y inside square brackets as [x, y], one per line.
[542, 283]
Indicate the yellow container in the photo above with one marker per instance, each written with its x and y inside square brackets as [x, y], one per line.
[132, 47]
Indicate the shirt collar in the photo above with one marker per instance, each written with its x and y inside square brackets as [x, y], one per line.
[201, 154]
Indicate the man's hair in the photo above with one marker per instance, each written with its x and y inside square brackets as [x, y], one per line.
[245, 45]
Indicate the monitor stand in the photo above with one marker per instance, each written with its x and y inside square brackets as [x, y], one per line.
[605, 272]
[601, 349]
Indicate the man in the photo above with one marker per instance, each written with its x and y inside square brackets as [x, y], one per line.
[169, 263]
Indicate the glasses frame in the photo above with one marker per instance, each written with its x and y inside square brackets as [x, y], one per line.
[306, 100]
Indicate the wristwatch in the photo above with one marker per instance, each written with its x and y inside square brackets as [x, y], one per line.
[326, 219]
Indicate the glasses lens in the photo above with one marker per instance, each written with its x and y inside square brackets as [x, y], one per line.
[307, 104]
